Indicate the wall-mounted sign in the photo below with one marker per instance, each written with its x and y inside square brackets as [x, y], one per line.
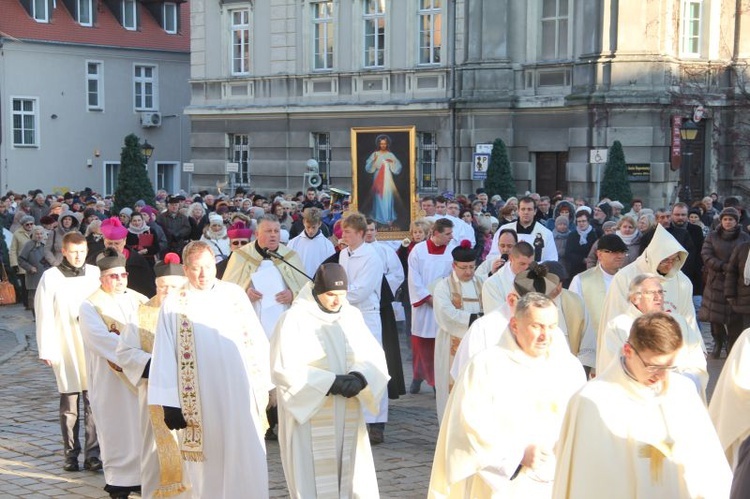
[639, 172]
[479, 165]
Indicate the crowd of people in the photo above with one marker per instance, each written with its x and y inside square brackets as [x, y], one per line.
[561, 340]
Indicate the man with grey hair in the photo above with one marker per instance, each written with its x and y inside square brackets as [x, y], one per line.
[646, 295]
[497, 439]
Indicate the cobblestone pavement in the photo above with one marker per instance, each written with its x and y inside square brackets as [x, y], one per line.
[30, 447]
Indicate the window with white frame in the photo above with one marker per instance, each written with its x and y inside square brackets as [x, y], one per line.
[129, 14]
[430, 34]
[84, 14]
[323, 35]
[40, 10]
[165, 176]
[239, 152]
[169, 19]
[240, 19]
[145, 88]
[25, 116]
[690, 39]
[374, 18]
[94, 86]
[427, 154]
[322, 154]
[111, 172]
[554, 30]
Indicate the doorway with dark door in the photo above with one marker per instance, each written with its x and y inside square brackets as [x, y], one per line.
[550, 172]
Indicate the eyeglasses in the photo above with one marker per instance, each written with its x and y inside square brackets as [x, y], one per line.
[470, 267]
[239, 243]
[653, 293]
[123, 275]
[27, 224]
[650, 367]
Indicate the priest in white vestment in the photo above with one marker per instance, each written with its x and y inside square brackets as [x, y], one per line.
[58, 299]
[326, 366]
[218, 399]
[639, 431]
[497, 286]
[162, 473]
[457, 303]
[312, 246]
[647, 295]
[491, 265]
[503, 416]
[730, 402]
[103, 317]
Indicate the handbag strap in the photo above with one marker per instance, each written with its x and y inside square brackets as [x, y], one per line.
[4, 276]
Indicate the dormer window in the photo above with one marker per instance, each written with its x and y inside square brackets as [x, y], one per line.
[169, 17]
[84, 13]
[129, 15]
[40, 11]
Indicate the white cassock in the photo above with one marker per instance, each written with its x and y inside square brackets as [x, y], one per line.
[691, 359]
[313, 251]
[503, 402]
[497, 287]
[425, 269]
[323, 439]
[730, 402]
[394, 271]
[233, 373]
[623, 440]
[461, 230]
[365, 270]
[114, 402]
[58, 334]
[678, 290]
[483, 334]
[549, 252]
[133, 353]
[453, 323]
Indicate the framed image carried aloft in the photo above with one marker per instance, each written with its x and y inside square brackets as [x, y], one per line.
[383, 178]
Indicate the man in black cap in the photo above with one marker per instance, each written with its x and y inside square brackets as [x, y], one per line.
[103, 316]
[176, 226]
[457, 303]
[327, 368]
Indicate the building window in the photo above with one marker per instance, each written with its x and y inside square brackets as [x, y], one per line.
[430, 36]
[240, 154]
[129, 15]
[169, 18]
[374, 18]
[40, 11]
[322, 154]
[145, 88]
[94, 86]
[84, 13]
[111, 172]
[165, 176]
[240, 41]
[554, 30]
[25, 118]
[691, 27]
[323, 28]
[427, 153]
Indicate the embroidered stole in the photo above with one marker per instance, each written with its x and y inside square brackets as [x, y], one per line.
[187, 379]
[99, 300]
[329, 484]
[458, 300]
[167, 450]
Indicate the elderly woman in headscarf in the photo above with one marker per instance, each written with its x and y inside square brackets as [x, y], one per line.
[560, 233]
[215, 235]
[31, 259]
[53, 246]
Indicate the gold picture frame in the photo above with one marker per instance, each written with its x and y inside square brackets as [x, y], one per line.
[384, 178]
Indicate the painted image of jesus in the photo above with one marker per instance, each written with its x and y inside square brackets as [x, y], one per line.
[383, 165]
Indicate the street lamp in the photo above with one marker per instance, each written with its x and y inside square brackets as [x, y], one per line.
[688, 133]
[147, 150]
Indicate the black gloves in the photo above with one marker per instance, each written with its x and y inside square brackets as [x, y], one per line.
[173, 418]
[348, 385]
[146, 369]
[474, 317]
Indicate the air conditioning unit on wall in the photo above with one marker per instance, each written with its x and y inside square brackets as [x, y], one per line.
[150, 119]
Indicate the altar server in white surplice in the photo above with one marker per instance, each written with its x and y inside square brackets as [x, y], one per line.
[326, 366]
[210, 373]
[311, 245]
[114, 401]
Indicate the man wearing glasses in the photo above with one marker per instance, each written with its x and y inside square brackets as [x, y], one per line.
[638, 430]
[239, 236]
[103, 316]
[646, 296]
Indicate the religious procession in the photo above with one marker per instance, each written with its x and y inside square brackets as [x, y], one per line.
[560, 340]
